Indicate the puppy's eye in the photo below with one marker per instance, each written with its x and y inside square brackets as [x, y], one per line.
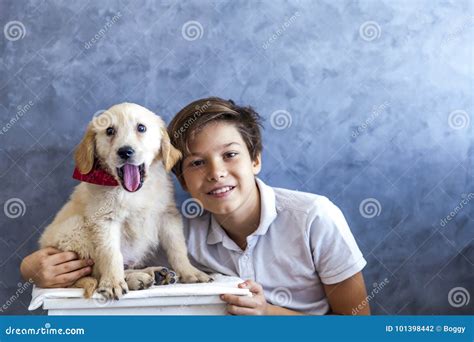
[110, 131]
[141, 128]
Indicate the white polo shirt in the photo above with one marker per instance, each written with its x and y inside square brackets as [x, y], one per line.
[303, 241]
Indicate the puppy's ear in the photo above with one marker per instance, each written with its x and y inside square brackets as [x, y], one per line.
[169, 153]
[85, 152]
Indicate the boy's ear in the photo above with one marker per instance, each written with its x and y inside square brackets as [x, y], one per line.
[168, 152]
[85, 152]
[257, 164]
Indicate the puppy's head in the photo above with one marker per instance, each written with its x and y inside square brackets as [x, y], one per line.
[126, 139]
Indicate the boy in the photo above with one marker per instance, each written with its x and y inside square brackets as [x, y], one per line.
[294, 249]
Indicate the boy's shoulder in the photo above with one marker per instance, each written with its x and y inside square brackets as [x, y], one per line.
[300, 201]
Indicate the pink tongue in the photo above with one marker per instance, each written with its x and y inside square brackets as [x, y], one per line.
[131, 177]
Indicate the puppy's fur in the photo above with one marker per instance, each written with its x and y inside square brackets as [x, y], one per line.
[112, 225]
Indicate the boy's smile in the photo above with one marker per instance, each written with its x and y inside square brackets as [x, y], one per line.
[221, 191]
[219, 172]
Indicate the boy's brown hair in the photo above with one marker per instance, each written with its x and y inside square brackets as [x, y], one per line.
[192, 118]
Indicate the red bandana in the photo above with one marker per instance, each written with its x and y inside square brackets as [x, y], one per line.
[96, 176]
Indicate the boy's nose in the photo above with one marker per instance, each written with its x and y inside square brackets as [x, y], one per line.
[216, 172]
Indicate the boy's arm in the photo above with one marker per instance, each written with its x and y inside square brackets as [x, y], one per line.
[255, 305]
[338, 260]
[274, 310]
[50, 267]
[349, 297]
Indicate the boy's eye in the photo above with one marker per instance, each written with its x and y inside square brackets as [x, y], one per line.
[195, 163]
[230, 154]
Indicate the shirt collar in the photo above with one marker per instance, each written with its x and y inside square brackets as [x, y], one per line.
[268, 214]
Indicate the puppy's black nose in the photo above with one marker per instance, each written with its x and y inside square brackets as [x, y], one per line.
[125, 152]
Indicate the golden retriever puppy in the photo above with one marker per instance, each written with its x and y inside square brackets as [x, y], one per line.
[117, 225]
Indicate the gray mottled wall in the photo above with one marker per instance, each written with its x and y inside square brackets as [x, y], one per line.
[367, 102]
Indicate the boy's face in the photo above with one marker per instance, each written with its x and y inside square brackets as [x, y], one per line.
[219, 172]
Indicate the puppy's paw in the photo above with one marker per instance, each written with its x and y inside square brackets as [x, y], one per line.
[89, 284]
[165, 276]
[193, 275]
[112, 289]
[138, 280]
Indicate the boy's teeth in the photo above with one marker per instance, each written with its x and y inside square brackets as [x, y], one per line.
[221, 190]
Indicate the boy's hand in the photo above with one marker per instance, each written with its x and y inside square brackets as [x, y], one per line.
[50, 267]
[243, 305]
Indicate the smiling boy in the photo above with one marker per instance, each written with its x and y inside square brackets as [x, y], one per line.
[292, 248]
